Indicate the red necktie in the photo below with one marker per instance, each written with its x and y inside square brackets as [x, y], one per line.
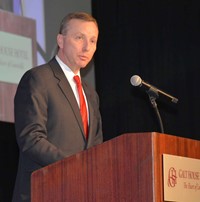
[83, 108]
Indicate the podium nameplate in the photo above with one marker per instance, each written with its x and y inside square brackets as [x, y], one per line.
[181, 178]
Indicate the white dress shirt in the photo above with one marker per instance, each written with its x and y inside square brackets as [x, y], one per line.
[70, 77]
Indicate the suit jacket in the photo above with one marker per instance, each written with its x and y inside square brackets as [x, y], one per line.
[48, 122]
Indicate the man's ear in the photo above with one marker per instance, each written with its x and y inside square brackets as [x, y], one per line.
[60, 40]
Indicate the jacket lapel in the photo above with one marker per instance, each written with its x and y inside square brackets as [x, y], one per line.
[66, 90]
[90, 109]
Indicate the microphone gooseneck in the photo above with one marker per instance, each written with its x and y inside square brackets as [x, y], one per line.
[137, 81]
[153, 94]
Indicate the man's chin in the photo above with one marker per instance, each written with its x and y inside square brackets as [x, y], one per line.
[83, 65]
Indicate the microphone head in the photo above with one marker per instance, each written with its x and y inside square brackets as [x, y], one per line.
[136, 80]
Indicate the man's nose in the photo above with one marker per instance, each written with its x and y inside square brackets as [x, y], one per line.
[86, 45]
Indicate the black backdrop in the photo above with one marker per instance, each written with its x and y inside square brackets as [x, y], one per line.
[159, 41]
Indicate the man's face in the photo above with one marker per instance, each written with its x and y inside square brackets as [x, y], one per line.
[77, 47]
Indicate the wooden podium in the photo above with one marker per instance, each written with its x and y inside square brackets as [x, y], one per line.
[127, 168]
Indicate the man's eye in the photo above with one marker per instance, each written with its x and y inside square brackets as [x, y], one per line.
[93, 41]
[79, 37]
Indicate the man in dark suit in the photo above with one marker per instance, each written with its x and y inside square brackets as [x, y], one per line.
[48, 121]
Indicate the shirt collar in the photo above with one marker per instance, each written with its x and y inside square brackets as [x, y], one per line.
[67, 71]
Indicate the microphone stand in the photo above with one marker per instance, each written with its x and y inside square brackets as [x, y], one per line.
[153, 95]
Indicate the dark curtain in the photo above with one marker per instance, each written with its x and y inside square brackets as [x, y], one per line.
[159, 40]
[9, 160]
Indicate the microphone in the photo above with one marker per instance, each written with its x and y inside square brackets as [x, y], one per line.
[137, 81]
